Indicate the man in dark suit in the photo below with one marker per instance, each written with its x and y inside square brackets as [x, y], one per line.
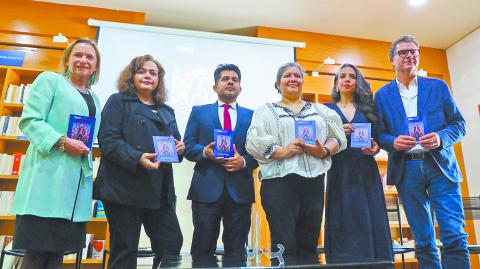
[221, 188]
[426, 173]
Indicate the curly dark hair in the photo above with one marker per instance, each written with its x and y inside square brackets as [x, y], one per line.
[126, 83]
[362, 97]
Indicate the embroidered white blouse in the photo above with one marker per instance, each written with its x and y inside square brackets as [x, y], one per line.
[273, 125]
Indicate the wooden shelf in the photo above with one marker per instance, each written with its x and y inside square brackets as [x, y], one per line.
[97, 226]
[8, 182]
[13, 139]
[13, 107]
[84, 261]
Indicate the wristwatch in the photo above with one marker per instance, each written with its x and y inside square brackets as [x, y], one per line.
[328, 153]
[61, 143]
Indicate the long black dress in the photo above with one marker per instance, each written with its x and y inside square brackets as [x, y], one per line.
[356, 222]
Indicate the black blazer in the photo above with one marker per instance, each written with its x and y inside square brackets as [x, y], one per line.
[125, 134]
[210, 178]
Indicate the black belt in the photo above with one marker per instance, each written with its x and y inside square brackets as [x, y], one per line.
[416, 156]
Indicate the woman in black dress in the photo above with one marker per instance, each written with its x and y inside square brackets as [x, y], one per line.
[357, 226]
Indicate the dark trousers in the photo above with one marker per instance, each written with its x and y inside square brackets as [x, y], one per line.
[125, 222]
[206, 223]
[294, 209]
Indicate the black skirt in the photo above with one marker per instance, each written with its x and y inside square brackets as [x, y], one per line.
[48, 234]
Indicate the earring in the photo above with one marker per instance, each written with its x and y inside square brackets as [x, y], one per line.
[93, 78]
[67, 73]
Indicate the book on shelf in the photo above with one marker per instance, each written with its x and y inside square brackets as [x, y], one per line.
[9, 125]
[10, 164]
[6, 202]
[17, 94]
[96, 165]
[5, 240]
[10, 261]
[97, 249]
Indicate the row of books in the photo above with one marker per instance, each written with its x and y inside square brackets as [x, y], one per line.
[5, 240]
[93, 249]
[17, 94]
[9, 126]
[9, 261]
[6, 202]
[11, 164]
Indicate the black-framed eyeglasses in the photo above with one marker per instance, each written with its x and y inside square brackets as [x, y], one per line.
[405, 53]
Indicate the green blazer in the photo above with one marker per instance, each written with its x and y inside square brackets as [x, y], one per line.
[49, 179]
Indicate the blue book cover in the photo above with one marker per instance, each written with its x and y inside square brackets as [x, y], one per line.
[306, 130]
[362, 136]
[416, 127]
[165, 148]
[81, 128]
[223, 143]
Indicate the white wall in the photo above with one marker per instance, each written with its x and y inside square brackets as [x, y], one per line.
[464, 65]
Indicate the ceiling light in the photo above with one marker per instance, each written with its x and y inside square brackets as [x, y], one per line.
[417, 2]
[329, 60]
[60, 38]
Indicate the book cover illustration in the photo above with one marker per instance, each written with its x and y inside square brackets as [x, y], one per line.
[81, 128]
[306, 130]
[362, 136]
[223, 143]
[165, 148]
[416, 127]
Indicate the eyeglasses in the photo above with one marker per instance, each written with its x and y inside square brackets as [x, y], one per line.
[404, 53]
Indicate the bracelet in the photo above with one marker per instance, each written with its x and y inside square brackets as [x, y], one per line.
[61, 143]
[328, 153]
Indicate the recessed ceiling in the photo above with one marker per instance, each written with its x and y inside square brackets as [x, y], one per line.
[437, 23]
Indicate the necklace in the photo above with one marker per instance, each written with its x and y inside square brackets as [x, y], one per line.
[294, 106]
[84, 91]
[346, 105]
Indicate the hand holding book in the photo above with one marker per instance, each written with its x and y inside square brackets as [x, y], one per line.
[149, 161]
[234, 163]
[374, 149]
[75, 147]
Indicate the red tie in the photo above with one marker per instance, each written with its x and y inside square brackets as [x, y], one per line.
[227, 122]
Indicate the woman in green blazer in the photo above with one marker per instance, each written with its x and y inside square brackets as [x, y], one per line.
[54, 193]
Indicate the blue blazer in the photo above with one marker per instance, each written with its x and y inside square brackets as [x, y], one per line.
[441, 115]
[210, 178]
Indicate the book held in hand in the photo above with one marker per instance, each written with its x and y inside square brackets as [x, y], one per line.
[306, 130]
[223, 143]
[165, 148]
[362, 136]
[416, 127]
[81, 128]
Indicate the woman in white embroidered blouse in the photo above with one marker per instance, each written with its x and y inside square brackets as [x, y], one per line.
[293, 171]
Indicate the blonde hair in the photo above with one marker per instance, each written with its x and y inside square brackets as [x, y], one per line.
[68, 52]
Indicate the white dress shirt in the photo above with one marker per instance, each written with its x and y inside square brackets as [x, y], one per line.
[410, 100]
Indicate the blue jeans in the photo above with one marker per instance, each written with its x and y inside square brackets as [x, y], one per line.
[423, 186]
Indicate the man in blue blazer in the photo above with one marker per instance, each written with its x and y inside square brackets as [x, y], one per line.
[221, 188]
[424, 170]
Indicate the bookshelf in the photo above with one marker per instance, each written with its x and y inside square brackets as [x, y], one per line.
[11, 144]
